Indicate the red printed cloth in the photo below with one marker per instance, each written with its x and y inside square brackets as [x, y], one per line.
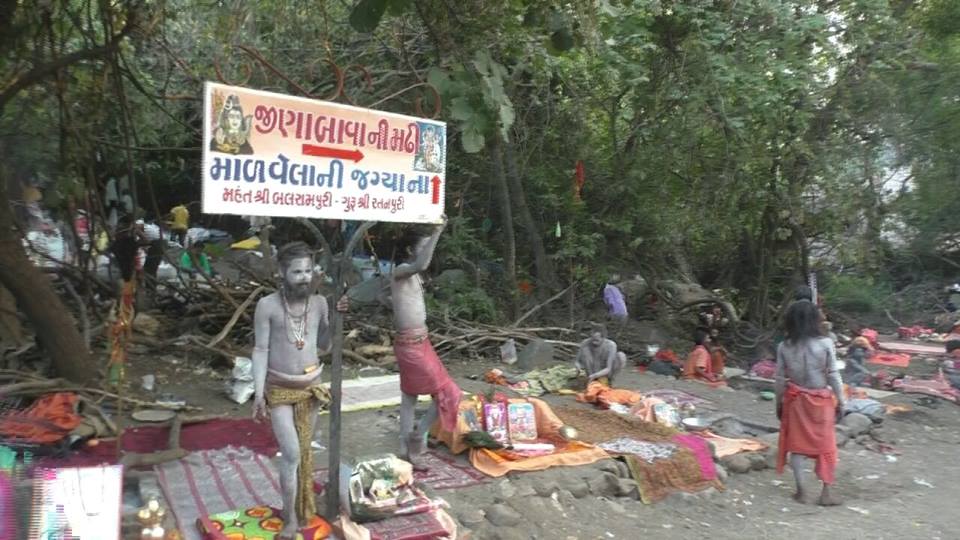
[46, 421]
[900, 360]
[807, 428]
[422, 373]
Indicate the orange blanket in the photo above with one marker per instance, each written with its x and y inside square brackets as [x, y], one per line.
[500, 462]
[726, 446]
[603, 395]
[49, 419]
[807, 428]
[890, 359]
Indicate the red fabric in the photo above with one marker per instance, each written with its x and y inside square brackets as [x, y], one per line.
[257, 436]
[422, 373]
[667, 356]
[890, 359]
[718, 361]
[49, 419]
[908, 332]
[764, 368]
[807, 428]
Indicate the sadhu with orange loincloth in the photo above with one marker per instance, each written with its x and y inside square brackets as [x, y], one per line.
[809, 398]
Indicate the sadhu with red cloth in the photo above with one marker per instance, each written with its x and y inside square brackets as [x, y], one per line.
[809, 398]
[699, 364]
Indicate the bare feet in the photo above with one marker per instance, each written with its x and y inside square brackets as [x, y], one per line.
[827, 498]
[417, 444]
[290, 529]
[800, 496]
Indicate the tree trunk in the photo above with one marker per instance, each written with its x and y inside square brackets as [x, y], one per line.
[506, 215]
[545, 273]
[54, 326]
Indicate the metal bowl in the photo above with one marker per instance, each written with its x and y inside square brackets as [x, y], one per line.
[695, 424]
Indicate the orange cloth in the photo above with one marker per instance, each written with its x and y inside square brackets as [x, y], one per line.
[890, 359]
[807, 428]
[500, 462]
[48, 420]
[603, 395]
[699, 357]
[726, 446]
[718, 361]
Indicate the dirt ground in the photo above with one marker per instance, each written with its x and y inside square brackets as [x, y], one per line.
[910, 495]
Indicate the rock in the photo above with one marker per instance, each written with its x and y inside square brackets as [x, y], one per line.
[565, 499]
[627, 487]
[508, 534]
[771, 458]
[538, 353]
[722, 473]
[622, 470]
[758, 461]
[843, 435]
[616, 507]
[858, 423]
[771, 439]
[578, 489]
[507, 490]
[503, 516]
[524, 490]
[604, 484]
[545, 489]
[471, 517]
[608, 465]
[737, 463]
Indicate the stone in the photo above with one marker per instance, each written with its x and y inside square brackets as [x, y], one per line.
[507, 490]
[771, 458]
[843, 435]
[622, 470]
[758, 461]
[502, 515]
[771, 439]
[524, 490]
[579, 489]
[737, 463]
[616, 507]
[858, 423]
[604, 484]
[545, 489]
[722, 473]
[471, 517]
[538, 353]
[608, 465]
[508, 534]
[628, 487]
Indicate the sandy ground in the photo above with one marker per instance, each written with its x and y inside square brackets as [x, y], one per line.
[913, 496]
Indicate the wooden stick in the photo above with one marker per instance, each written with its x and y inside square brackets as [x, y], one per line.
[236, 316]
[362, 359]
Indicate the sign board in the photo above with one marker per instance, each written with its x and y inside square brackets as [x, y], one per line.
[267, 154]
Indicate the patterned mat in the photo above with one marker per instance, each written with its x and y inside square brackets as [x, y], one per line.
[212, 481]
[443, 472]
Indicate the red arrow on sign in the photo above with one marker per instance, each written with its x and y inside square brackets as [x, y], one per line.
[436, 189]
[326, 151]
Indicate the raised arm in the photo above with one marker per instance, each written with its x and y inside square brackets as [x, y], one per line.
[422, 256]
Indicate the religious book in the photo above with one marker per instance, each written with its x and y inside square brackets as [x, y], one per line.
[472, 420]
[522, 421]
[495, 421]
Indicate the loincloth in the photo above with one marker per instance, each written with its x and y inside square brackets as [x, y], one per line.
[422, 373]
[807, 429]
[302, 400]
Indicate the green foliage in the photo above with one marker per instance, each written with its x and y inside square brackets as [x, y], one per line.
[857, 294]
[469, 303]
[366, 14]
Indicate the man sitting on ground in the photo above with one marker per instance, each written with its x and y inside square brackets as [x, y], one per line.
[599, 357]
[194, 261]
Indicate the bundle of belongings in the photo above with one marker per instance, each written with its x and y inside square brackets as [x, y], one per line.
[535, 382]
[915, 332]
[381, 487]
[51, 425]
[631, 403]
[506, 435]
